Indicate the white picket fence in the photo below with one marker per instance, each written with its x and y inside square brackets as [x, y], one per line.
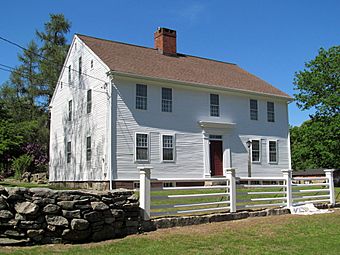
[232, 193]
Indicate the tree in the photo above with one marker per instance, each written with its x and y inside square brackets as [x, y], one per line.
[318, 85]
[24, 129]
[53, 50]
[316, 143]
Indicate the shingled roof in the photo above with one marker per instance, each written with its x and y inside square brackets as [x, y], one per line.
[149, 62]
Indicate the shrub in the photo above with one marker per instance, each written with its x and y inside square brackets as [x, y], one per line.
[21, 164]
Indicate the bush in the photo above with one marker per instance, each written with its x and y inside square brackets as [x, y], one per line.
[21, 164]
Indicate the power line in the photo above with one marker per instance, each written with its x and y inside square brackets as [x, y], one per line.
[43, 57]
[27, 76]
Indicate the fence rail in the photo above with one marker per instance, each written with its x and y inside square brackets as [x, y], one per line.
[231, 193]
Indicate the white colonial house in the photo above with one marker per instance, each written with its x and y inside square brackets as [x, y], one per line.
[118, 106]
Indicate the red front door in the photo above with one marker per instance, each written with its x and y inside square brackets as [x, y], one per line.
[216, 155]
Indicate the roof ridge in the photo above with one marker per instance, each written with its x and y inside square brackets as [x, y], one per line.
[149, 48]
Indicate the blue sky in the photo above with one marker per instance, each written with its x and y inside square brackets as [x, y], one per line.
[271, 39]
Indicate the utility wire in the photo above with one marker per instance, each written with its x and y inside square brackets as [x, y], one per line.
[13, 70]
[51, 62]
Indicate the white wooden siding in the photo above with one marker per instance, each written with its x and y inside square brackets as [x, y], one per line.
[82, 124]
[191, 105]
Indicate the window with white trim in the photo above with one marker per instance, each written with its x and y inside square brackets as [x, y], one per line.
[79, 67]
[214, 105]
[69, 74]
[68, 152]
[270, 112]
[141, 96]
[272, 149]
[70, 110]
[142, 147]
[88, 148]
[168, 152]
[166, 100]
[255, 150]
[89, 101]
[253, 109]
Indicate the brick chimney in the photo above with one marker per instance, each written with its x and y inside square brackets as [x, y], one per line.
[165, 41]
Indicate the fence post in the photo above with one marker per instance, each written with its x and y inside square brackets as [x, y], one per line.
[329, 175]
[144, 190]
[287, 175]
[230, 174]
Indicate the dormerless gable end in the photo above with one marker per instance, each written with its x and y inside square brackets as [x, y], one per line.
[149, 62]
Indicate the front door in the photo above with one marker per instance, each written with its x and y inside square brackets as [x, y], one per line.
[216, 155]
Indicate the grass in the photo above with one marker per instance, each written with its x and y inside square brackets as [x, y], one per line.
[287, 234]
[11, 182]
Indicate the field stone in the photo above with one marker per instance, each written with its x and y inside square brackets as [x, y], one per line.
[35, 234]
[99, 206]
[79, 224]
[6, 215]
[13, 233]
[72, 214]
[3, 203]
[51, 209]
[66, 205]
[75, 235]
[26, 208]
[107, 232]
[56, 220]
[93, 216]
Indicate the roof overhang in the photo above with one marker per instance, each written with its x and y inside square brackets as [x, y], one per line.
[113, 73]
[218, 125]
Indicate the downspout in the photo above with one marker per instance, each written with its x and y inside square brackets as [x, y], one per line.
[109, 131]
[288, 141]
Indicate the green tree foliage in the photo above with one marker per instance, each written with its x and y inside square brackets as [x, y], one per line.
[316, 143]
[318, 85]
[53, 50]
[24, 98]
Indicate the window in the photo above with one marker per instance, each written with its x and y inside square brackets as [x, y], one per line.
[68, 152]
[88, 148]
[272, 151]
[253, 109]
[214, 105]
[270, 112]
[92, 63]
[215, 137]
[141, 96]
[69, 74]
[80, 68]
[142, 147]
[255, 150]
[166, 100]
[70, 110]
[89, 101]
[168, 148]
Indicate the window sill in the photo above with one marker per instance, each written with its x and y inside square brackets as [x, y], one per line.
[256, 162]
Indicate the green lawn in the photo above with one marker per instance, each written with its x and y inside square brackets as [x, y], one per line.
[287, 234]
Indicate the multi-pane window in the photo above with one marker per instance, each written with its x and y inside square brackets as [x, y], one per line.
[68, 152]
[89, 101]
[69, 74]
[168, 148]
[70, 110]
[80, 67]
[166, 100]
[255, 150]
[253, 109]
[142, 147]
[272, 151]
[88, 148]
[141, 96]
[214, 105]
[270, 112]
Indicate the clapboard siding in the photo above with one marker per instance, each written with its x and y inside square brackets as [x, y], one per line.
[82, 124]
[191, 105]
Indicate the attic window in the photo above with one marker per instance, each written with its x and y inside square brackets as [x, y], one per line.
[92, 63]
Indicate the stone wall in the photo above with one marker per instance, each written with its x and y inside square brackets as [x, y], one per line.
[40, 216]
